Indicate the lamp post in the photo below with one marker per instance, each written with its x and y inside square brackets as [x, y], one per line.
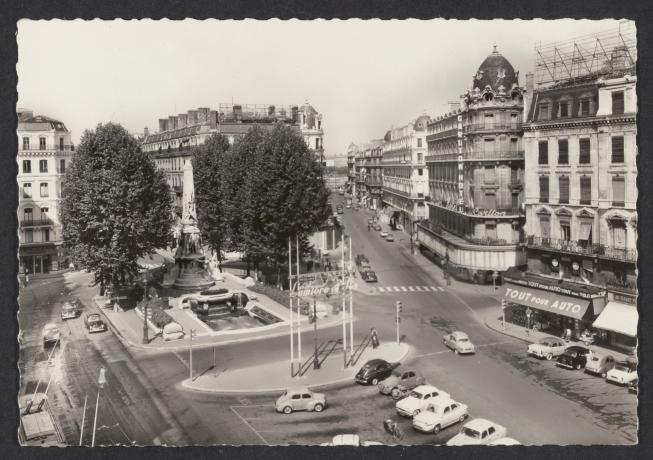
[503, 315]
[316, 361]
[101, 381]
[528, 318]
[146, 338]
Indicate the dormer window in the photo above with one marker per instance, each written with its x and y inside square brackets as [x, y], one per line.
[544, 111]
[564, 109]
[488, 97]
[585, 105]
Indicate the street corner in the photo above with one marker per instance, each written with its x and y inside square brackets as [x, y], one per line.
[493, 320]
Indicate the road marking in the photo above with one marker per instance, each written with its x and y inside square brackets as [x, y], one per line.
[403, 288]
[433, 353]
[411, 288]
[440, 288]
[181, 359]
[498, 343]
[419, 288]
[433, 288]
[381, 289]
[250, 426]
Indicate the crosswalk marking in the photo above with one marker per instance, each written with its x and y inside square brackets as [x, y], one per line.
[382, 289]
[389, 289]
[396, 288]
[433, 288]
[403, 288]
[410, 288]
[440, 288]
[419, 288]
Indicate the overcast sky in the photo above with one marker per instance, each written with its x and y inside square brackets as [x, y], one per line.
[363, 76]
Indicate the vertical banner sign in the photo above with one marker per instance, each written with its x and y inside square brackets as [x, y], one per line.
[461, 183]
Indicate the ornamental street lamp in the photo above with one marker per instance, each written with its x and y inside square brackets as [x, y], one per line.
[102, 380]
[528, 318]
[316, 361]
[145, 329]
[503, 315]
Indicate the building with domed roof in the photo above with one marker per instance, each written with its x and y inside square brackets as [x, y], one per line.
[45, 150]
[475, 167]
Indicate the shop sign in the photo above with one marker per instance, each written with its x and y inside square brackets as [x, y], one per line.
[554, 288]
[629, 299]
[331, 283]
[461, 184]
[488, 212]
[562, 305]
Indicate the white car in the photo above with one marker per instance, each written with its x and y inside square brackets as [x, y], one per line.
[622, 373]
[383, 234]
[418, 399]
[547, 347]
[478, 432]
[440, 414]
[51, 333]
[505, 442]
[459, 342]
[350, 440]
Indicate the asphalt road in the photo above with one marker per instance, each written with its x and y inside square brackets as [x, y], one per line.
[144, 402]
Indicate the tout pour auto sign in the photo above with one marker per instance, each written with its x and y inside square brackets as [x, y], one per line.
[543, 300]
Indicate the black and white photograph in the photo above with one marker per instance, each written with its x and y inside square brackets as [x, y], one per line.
[327, 232]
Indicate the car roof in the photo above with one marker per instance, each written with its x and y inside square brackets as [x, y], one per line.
[346, 439]
[426, 388]
[550, 339]
[50, 326]
[459, 334]
[375, 361]
[298, 390]
[479, 424]
[442, 401]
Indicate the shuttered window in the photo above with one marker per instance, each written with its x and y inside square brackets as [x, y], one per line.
[543, 157]
[544, 189]
[585, 190]
[563, 152]
[545, 227]
[584, 151]
[617, 103]
[618, 149]
[618, 191]
[563, 184]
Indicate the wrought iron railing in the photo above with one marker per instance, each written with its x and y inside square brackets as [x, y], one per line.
[583, 247]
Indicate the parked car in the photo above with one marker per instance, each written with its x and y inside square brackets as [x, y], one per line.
[369, 276]
[401, 378]
[389, 237]
[574, 357]
[50, 333]
[319, 310]
[622, 373]
[172, 331]
[378, 227]
[94, 323]
[439, 415]
[459, 342]
[599, 364]
[69, 310]
[383, 234]
[362, 260]
[419, 399]
[350, 440]
[478, 432]
[300, 398]
[505, 442]
[348, 206]
[633, 386]
[339, 209]
[547, 347]
[374, 371]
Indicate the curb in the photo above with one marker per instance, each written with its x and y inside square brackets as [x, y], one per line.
[186, 385]
[501, 331]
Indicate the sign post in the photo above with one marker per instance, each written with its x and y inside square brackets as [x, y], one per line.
[399, 308]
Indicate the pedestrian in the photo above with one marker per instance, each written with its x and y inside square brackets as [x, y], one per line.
[374, 338]
[26, 278]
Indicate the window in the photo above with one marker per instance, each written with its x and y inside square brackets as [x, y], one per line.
[61, 143]
[584, 107]
[41, 143]
[488, 145]
[25, 143]
[317, 144]
[563, 151]
[618, 191]
[544, 111]
[62, 166]
[28, 215]
[419, 158]
[44, 190]
[545, 227]
[617, 149]
[585, 190]
[585, 233]
[584, 151]
[491, 231]
[43, 166]
[617, 102]
[27, 190]
[618, 234]
[296, 396]
[513, 120]
[44, 213]
[564, 109]
[563, 185]
[46, 234]
[29, 236]
[543, 157]
[419, 142]
[420, 171]
[565, 231]
[27, 166]
[489, 121]
[489, 176]
[544, 189]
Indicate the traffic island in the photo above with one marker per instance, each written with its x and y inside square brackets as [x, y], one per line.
[275, 377]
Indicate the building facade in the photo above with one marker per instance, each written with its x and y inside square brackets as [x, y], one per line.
[179, 135]
[405, 177]
[476, 177]
[352, 153]
[374, 173]
[45, 150]
[581, 194]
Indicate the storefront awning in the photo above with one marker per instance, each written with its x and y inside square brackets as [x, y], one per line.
[572, 307]
[618, 317]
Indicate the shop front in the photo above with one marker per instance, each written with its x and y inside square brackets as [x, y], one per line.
[41, 259]
[618, 322]
[551, 307]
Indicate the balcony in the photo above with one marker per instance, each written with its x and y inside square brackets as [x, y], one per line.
[48, 148]
[36, 223]
[442, 135]
[478, 156]
[582, 248]
[482, 127]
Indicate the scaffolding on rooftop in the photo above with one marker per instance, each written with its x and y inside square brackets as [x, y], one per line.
[260, 112]
[608, 54]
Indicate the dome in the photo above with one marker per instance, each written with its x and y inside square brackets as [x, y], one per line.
[495, 71]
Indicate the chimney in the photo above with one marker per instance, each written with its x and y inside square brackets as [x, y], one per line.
[192, 117]
[530, 82]
[295, 113]
[454, 106]
[203, 114]
[529, 96]
[238, 111]
[183, 120]
[163, 124]
[271, 111]
[146, 132]
[172, 122]
[213, 119]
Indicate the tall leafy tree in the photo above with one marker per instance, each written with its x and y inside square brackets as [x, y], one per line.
[210, 173]
[116, 206]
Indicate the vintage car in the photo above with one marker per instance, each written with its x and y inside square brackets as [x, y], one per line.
[389, 237]
[439, 415]
[94, 323]
[478, 432]
[459, 342]
[547, 347]
[599, 364]
[378, 227]
[362, 260]
[300, 398]
[69, 310]
[574, 357]
[505, 442]
[419, 399]
[350, 440]
[374, 371]
[406, 379]
[633, 386]
[50, 333]
[622, 373]
[369, 276]
[383, 234]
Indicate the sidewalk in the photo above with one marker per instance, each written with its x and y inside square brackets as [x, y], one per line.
[275, 377]
[493, 320]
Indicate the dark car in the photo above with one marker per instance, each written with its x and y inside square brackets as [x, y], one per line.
[633, 387]
[374, 371]
[94, 323]
[339, 209]
[361, 260]
[378, 227]
[369, 276]
[574, 357]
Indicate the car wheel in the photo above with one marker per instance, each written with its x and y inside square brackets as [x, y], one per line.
[436, 429]
[318, 407]
[462, 418]
[604, 374]
[455, 351]
[396, 394]
[375, 381]
[287, 410]
[549, 357]
[417, 411]
[578, 366]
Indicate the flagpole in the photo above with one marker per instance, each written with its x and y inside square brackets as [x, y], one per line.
[344, 306]
[351, 305]
[292, 338]
[299, 318]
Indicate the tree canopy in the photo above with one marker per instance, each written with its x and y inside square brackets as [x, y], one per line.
[116, 206]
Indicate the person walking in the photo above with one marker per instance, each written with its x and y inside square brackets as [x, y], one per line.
[26, 278]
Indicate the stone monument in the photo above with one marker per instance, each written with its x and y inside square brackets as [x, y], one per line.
[191, 266]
